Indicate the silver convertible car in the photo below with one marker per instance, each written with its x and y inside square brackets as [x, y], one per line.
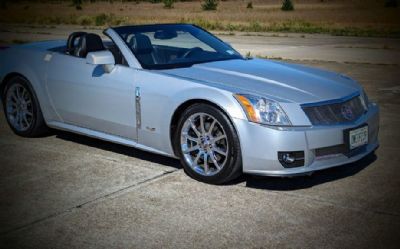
[179, 91]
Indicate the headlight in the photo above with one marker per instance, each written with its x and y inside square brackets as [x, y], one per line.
[364, 100]
[261, 110]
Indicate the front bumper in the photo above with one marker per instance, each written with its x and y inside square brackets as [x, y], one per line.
[260, 145]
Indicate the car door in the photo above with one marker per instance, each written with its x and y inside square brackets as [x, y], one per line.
[85, 96]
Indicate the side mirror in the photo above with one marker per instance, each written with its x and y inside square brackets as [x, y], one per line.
[103, 58]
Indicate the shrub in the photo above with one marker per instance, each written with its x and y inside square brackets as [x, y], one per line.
[249, 5]
[101, 19]
[3, 4]
[256, 27]
[209, 5]
[77, 4]
[168, 4]
[107, 19]
[391, 3]
[85, 20]
[287, 5]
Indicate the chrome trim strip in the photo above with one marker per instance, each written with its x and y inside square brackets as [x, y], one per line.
[138, 109]
[332, 101]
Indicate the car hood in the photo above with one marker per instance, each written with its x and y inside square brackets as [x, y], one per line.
[280, 81]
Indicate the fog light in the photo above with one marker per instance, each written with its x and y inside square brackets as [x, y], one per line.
[291, 159]
[288, 158]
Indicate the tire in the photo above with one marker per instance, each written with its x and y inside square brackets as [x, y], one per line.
[217, 145]
[22, 112]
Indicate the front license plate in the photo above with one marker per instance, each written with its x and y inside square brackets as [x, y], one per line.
[358, 137]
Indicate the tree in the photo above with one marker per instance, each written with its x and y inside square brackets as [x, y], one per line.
[391, 3]
[287, 5]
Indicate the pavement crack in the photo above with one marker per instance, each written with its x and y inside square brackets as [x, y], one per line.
[78, 206]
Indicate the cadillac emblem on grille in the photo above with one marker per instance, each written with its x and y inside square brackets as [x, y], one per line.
[335, 113]
[347, 112]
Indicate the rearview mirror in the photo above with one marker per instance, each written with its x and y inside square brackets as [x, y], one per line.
[165, 34]
[103, 58]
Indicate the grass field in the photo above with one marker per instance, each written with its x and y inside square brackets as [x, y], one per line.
[337, 17]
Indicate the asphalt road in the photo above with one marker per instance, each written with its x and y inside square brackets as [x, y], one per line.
[69, 191]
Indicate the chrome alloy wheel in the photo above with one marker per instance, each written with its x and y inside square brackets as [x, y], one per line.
[19, 107]
[204, 144]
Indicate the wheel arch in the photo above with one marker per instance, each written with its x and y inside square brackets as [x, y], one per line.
[36, 79]
[12, 75]
[7, 78]
[182, 107]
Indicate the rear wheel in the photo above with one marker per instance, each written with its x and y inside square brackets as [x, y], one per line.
[208, 145]
[22, 109]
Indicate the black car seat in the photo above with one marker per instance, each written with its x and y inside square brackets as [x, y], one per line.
[88, 43]
[142, 48]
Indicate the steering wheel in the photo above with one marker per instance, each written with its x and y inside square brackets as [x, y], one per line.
[191, 52]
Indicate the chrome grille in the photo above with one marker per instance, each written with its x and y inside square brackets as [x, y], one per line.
[334, 113]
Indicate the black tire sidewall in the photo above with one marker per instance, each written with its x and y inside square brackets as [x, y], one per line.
[37, 115]
[233, 164]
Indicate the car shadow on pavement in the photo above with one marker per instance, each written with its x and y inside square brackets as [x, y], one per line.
[303, 182]
[117, 148]
[251, 181]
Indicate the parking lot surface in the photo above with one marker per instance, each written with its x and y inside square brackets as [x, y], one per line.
[69, 191]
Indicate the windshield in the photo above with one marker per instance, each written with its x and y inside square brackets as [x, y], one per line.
[174, 45]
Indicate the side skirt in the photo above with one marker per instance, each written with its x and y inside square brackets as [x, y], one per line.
[105, 137]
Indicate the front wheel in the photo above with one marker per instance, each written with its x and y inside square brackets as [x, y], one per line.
[208, 145]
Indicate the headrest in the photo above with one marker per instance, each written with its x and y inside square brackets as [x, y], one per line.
[141, 44]
[89, 43]
[71, 41]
